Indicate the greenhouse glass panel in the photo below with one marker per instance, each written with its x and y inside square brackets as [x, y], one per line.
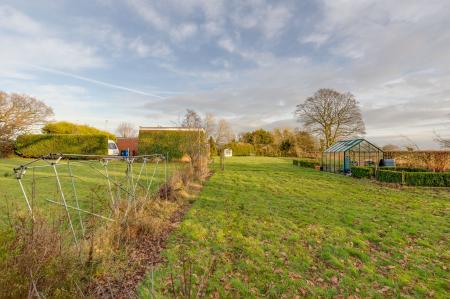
[344, 154]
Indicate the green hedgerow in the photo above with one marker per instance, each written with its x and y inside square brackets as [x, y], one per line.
[362, 172]
[44, 144]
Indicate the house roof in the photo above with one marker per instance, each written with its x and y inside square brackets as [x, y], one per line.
[345, 145]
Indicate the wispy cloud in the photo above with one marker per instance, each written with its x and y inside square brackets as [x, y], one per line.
[98, 82]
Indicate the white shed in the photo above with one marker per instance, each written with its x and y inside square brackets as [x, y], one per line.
[228, 152]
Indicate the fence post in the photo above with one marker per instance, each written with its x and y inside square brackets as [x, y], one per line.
[403, 177]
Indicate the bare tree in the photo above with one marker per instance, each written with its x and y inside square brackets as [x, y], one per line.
[126, 130]
[210, 125]
[445, 143]
[191, 119]
[331, 115]
[224, 133]
[391, 148]
[19, 113]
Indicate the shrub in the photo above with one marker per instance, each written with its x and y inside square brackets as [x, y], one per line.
[241, 149]
[174, 143]
[406, 169]
[64, 127]
[362, 172]
[430, 179]
[389, 176]
[305, 163]
[44, 144]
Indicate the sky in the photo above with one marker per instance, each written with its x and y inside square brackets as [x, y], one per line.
[251, 62]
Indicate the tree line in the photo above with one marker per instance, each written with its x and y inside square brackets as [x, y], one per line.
[324, 118]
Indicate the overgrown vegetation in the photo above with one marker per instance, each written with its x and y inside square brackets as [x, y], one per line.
[40, 258]
[64, 127]
[264, 228]
[174, 143]
[43, 144]
[241, 148]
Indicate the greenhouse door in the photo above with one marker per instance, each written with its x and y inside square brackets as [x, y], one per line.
[346, 162]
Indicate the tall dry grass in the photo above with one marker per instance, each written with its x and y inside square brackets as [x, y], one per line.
[39, 259]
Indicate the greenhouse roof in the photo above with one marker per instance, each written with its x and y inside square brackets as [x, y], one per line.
[345, 145]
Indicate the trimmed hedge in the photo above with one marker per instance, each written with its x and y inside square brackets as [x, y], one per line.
[305, 163]
[430, 179]
[389, 176]
[37, 145]
[415, 178]
[407, 169]
[241, 149]
[362, 172]
[174, 143]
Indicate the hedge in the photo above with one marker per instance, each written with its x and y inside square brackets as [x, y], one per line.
[406, 169]
[389, 176]
[64, 127]
[305, 163]
[36, 145]
[430, 179]
[241, 149]
[362, 172]
[174, 143]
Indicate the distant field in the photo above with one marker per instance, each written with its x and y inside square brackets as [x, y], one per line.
[264, 228]
[91, 186]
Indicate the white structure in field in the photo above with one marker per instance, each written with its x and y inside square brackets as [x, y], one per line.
[228, 152]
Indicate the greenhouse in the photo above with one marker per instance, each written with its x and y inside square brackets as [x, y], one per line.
[342, 155]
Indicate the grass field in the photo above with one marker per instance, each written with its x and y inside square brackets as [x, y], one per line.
[264, 228]
[91, 186]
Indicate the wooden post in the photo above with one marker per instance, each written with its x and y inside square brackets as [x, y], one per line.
[222, 159]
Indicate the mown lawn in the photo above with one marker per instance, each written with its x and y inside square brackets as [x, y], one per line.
[264, 228]
[91, 187]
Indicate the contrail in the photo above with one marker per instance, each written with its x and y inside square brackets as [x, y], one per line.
[99, 82]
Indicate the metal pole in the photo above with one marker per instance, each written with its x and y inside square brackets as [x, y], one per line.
[81, 210]
[65, 204]
[165, 172]
[26, 197]
[76, 196]
[105, 165]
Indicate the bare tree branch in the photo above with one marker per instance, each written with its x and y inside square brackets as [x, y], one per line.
[331, 115]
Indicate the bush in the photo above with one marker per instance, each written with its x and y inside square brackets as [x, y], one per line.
[430, 179]
[362, 172]
[389, 176]
[406, 169]
[64, 127]
[305, 163]
[241, 149]
[6, 148]
[44, 144]
[174, 143]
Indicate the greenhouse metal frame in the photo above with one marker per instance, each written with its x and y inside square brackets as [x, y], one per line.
[341, 156]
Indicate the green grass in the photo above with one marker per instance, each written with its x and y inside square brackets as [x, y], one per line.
[91, 187]
[264, 228]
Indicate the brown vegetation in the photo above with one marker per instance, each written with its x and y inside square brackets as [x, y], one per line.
[41, 258]
[437, 161]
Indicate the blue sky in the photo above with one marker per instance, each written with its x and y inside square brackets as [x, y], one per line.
[251, 62]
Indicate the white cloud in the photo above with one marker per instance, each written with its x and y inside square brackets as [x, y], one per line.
[182, 32]
[26, 41]
[149, 14]
[142, 49]
[317, 39]
[15, 21]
